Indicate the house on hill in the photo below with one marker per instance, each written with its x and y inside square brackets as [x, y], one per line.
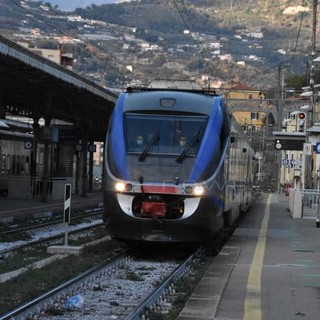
[249, 118]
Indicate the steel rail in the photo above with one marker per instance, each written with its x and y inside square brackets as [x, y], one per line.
[51, 223]
[137, 313]
[50, 238]
[24, 311]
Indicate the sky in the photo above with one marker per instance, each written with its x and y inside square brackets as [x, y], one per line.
[73, 4]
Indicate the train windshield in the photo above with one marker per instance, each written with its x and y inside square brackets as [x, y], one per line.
[165, 134]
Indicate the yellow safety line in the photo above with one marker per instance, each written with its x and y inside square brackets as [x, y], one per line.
[252, 304]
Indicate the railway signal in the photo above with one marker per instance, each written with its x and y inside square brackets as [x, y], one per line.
[67, 210]
[301, 122]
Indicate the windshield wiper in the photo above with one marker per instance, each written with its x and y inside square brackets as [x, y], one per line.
[150, 145]
[188, 148]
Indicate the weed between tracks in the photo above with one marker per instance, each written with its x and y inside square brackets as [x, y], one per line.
[25, 256]
[184, 287]
[22, 258]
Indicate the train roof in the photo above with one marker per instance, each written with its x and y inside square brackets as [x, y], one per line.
[173, 85]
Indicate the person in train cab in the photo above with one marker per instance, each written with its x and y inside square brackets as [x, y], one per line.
[139, 141]
[150, 136]
[182, 141]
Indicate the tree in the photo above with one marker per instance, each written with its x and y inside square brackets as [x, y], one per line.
[297, 81]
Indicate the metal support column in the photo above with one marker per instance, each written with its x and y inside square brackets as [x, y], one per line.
[84, 164]
[90, 185]
[280, 118]
[45, 177]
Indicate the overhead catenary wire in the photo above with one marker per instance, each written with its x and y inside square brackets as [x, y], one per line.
[191, 26]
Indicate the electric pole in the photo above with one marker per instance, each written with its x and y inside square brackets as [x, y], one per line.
[310, 119]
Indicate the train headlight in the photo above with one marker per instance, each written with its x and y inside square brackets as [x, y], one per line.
[198, 190]
[121, 186]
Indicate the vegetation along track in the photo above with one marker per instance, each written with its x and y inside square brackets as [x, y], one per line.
[20, 258]
[129, 286]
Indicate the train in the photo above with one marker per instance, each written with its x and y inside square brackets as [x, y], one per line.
[15, 154]
[178, 168]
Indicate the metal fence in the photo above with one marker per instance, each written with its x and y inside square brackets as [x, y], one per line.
[311, 205]
[32, 188]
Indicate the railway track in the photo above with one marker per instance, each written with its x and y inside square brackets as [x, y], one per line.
[32, 236]
[33, 224]
[125, 287]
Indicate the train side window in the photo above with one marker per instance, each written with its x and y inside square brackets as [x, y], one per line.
[3, 165]
[8, 164]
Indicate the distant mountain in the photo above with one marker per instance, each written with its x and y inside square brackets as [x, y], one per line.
[242, 39]
[71, 5]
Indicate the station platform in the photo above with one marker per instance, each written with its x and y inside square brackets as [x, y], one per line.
[269, 269]
[11, 208]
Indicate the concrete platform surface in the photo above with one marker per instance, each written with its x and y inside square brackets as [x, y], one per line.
[269, 269]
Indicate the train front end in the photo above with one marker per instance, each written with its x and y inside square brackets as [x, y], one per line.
[164, 169]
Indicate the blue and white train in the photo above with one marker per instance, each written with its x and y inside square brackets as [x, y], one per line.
[177, 168]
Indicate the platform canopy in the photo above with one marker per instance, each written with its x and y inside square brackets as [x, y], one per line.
[35, 87]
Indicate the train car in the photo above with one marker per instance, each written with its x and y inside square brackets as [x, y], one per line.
[177, 169]
[15, 156]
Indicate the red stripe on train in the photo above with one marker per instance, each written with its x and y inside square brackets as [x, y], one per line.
[160, 189]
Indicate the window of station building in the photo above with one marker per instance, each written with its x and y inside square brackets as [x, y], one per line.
[18, 169]
[27, 165]
[3, 165]
[40, 156]
[13, 165]
[22, 165]
[8, 164]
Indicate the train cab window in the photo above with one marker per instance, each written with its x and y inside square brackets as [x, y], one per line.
[164, 134]
[8, 164]
[3, 165]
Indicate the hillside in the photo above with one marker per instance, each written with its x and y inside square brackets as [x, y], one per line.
[216, 40]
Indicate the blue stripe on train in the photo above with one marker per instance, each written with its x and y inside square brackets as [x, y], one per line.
[117, 139]
[210, 146]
